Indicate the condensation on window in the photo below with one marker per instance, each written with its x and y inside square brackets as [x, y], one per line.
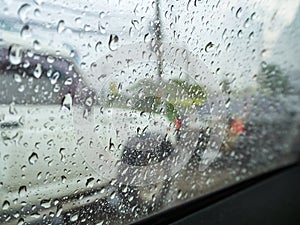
[112, 111]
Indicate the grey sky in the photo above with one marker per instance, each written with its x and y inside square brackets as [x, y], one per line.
[239, 31]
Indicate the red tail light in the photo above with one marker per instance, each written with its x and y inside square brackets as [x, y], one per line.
[177, 123]
[236, 126]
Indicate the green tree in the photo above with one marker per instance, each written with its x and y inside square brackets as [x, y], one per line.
[272, 80]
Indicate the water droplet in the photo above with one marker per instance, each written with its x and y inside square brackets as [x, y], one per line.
[209, 181]
[228, 47]
[238, 13]
[98, 46]
[80, 141]
[37, 13]
[25, 31]
[21, 88]
[37, 145]
[15, 54]
[246, 23]
[101, 156]
[59, 211]
[113, 42]
[78, 20]
[264, 65]
[17, 78]
[74, 218]
[67, 101]
[5, 205]
[147, 38]
[89, 101]
[46, 203]
[35, 215]
[23, 11]
[21, 221]
[209, 46]
[60, 26]
[224, 35]
[5, 157]
[17, 214]
[22, 190]
[33, 158]
[23, 168]
[12, 109]
[86, 113]
[61, 152]
[38, 71]
[63, 179]
[56, 201]
[68, 81]
[87, 28]
[90, 182]
[263, 52]
[101, 15]
[253, 16]
[50, 59]
[240, 34]
[54, 77]
[101, 28]
[227, 103]
[93, 66]
[130, 33]
[135, 24]
[36, 45]
[26, 64]
[36, 89]
[251, 35]
[179, 194]
[56, 88]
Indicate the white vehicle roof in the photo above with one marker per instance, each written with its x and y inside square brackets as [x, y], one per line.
[39, 45]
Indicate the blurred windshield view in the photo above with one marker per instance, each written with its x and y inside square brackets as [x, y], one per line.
[111, 111]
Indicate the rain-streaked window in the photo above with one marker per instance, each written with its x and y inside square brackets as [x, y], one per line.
[111, 111]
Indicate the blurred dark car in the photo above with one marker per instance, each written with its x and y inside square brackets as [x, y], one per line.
[271, 119]
[229, 114]
[252, 126]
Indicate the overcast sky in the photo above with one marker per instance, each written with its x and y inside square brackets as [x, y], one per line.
[237, 46]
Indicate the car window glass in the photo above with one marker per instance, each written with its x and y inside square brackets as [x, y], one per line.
[112, 111]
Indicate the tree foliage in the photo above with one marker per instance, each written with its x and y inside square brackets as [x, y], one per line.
[272, 80]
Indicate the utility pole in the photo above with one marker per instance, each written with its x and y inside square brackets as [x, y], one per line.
[158, 45]
[158, 36]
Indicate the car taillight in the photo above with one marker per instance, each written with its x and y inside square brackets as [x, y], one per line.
[236, 126]
[177, 123]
